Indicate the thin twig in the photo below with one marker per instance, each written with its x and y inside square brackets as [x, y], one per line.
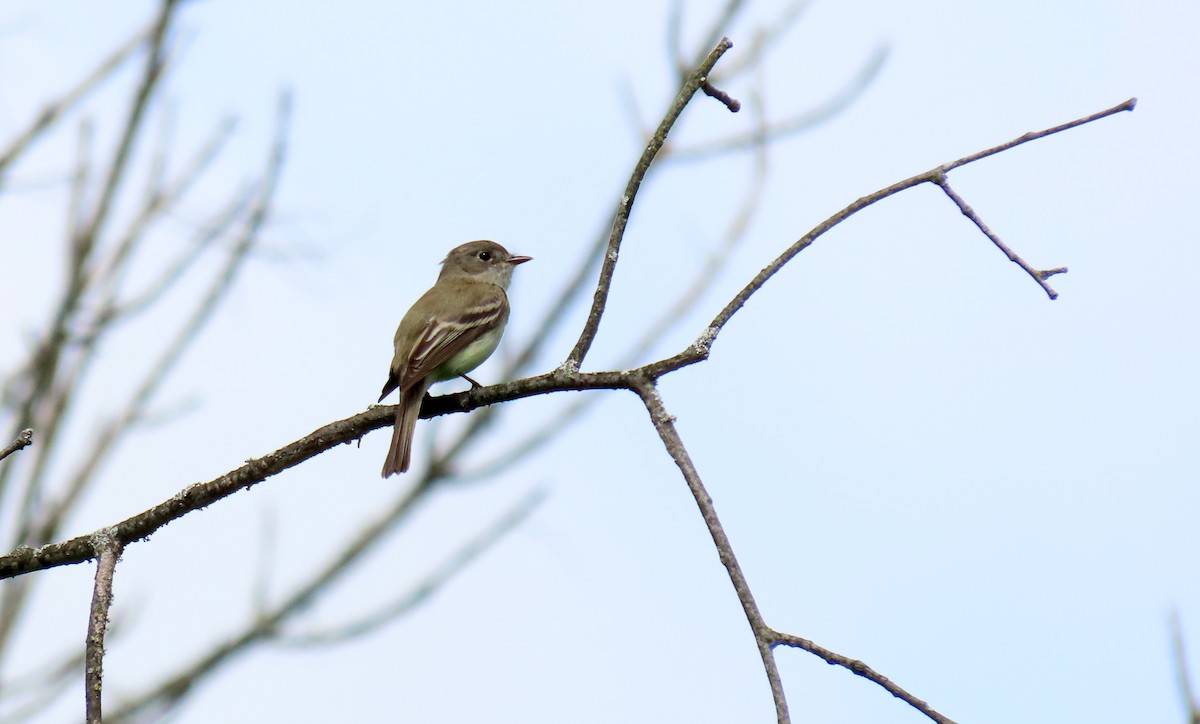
[1127, 105]
[52, 112]
[690, 87]
[23, 440]
[156, 201]
[26, 559]
[266, 626]
[767, 35]
[858, 667]
[1039, 275]
[108, 549]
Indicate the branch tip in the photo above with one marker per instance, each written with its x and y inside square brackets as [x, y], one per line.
[710, 90]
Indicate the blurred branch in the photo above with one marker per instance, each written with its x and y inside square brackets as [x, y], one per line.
[23, 440]
[932, 176]
[450, 568]
[797, 124]
[1039, 275]
[216, 229]
[46, 383]
[664, 424]
[1190, 704]
[79, 179]
[857, 667]
[55, 110]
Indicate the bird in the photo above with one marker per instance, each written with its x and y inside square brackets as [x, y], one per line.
[448, 332]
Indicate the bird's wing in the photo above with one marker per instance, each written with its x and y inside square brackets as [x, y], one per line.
[483, 307]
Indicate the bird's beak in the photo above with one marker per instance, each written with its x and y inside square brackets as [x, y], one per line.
[514, 260]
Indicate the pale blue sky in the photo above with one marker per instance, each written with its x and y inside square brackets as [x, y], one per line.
[921, 461]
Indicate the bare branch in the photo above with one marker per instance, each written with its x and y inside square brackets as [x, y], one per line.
[608, 266]
[718, 29]
[157, 200]
[858, 667]
[108, 549]
[207, 237]
[675, 38]
[664, 424]
[40, 689]
[1127, 105]
[23, 440]
[1039, 275]
[49, 392]
[79, 179]
[710, 90]
[931, 176]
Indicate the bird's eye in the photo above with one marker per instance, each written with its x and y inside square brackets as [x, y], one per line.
[484, 256]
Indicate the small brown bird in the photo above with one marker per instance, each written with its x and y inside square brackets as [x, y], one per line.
[451, 330]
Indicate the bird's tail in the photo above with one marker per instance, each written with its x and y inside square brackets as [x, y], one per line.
[407, 412]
